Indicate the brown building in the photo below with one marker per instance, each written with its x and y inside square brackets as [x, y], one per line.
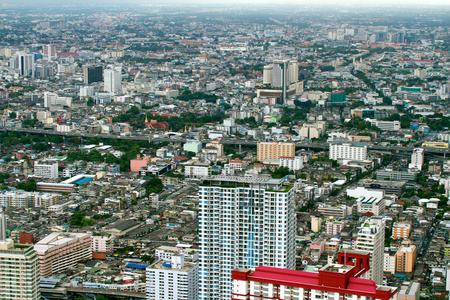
[26, 238]
[274, 150]
[406, 257]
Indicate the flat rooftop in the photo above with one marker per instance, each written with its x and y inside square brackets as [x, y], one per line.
[56, 239]
[167, 265]
[240, 179]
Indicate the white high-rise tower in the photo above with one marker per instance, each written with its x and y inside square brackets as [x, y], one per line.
[371, 238]
[417, 159]
[2, 226]
[25, 64]
[112, 81]
[243, 223]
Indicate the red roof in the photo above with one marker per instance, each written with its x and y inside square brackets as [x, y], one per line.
[181, 158]
[315, 281]
[98, 256]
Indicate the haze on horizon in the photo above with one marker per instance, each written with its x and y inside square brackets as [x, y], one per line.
[343, 3]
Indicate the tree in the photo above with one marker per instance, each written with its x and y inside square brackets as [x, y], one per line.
[78, 219]
[133, 110]
[387, 101]
[281, 172]
[29, 186]
[90, 102]
[154, 185]
[12, 115]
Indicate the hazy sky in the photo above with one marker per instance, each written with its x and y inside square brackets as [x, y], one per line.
[354, 3]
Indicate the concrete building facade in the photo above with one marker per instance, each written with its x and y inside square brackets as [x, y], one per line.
[370, 238]
[274, 150]
[243, 223]
[61, 250]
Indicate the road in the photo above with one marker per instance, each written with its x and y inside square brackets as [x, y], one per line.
[303, 145]
[125, 294]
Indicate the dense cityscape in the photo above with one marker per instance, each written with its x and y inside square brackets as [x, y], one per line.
[226, 152]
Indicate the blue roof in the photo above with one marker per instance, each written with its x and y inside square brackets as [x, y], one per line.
[79, 182]
[136, 266]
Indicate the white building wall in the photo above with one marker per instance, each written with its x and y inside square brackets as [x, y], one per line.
[196, 171]
[242, 227]
[46, 170]
[371, 238]
[170, 284]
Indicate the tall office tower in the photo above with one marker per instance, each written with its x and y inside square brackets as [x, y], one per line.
[25, 64]
[112, 81]
[281, 74]
[417, 158]
[243, 223]
[92, 74]
[293, 72]
[49, 51]
[371, 238]
[268, 74]
[274, 150]
[19, 269]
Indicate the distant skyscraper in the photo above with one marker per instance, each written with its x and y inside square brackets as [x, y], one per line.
[281, 74]
[2, 226]
[417, 158]
[112, 81]
[92, 74]
[243, 223]
[19, 269]
[24, 64]
[370, 238]
[49, 51]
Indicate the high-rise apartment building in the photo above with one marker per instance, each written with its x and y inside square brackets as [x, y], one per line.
[243, 223]
[417, 159]
[92, 74]
[274, 150]
[172, 280]
[340, 150]
[112, 81]
[19, 268]
[49, 51]
[62, 250]
[370, 238]
[406, 258]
